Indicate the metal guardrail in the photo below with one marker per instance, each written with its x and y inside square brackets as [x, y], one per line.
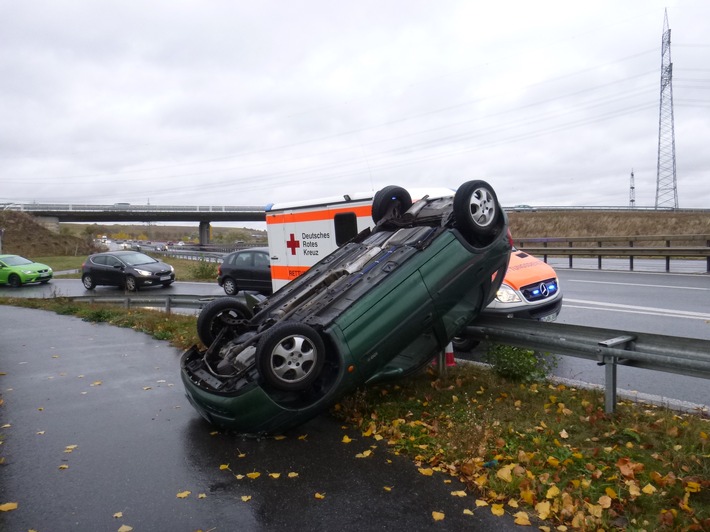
[611, 348]
[608, 247]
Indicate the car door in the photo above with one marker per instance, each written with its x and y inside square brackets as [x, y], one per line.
[115, 271]
[262, 272]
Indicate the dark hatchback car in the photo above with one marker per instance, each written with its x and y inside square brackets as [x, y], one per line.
[127, 269]
[381, 306]
[247, 269]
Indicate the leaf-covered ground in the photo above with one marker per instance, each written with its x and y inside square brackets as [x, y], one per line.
[541, 452]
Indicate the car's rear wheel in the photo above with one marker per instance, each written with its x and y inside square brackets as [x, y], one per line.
[218, 314]
[88, 281]
[290, 356]
[131, 284]
[230, 286]
[477, 212]
[390, 202]
[14, 281]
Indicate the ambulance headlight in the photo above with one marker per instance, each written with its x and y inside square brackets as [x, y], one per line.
[506, 294]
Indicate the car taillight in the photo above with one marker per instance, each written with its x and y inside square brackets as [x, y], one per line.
[510, 239]
[219, 270]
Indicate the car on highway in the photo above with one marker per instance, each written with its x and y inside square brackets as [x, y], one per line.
[16, 270]
[126, 269]
[530, 290]
[247, 269]
[379, 307]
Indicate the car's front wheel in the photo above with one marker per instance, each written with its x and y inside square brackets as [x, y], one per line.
[218, 314]
[290, 356]
[230, 286]
[14, 281]
[390, 202]
[88, 281]
[477, 212]
[131, 284]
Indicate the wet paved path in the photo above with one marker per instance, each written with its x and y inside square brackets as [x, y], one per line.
[113, 398]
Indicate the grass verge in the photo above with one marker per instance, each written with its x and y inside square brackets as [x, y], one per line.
[540, 451]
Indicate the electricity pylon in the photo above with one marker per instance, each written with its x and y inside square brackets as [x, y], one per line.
[666, 186]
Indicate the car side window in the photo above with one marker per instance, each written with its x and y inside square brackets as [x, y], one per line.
[244, 260]
[261, 260]
[100, 260]
[113, 261]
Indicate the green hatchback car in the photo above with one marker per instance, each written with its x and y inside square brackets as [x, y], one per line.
[16, 271]
[379, 307]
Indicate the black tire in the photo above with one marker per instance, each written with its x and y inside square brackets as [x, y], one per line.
[390, 202]
[464, 344]
[477, 212]
[166, 284]
[218, 314]
[131, 284]
[14, 281]
[88, 281]
[230, 286]
[290, 356]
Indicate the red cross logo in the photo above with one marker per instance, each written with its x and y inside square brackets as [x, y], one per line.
[292, 244]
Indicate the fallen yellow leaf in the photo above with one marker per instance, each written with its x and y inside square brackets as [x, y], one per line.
[522, 519]
[8, 506]
[466, 511]
[274, 475]
[280, 437]
[543, 510]
[604, 501]
[125, 528]
[649, 489]
[202, 496]
[292, 475]
[459, 493]
[438, 516]
[253, 475]
[183, 494]
[222, 467]
[497, 509]
[246, 498]
[505, 473]
[427, 472]
[481, 502]
[346, 439]
[118, 515]
[364, 454]
[553, 492]
[388, 488]
[64, 466]
[319, 495]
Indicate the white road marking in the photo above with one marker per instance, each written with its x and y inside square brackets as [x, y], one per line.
[634, 309]
[640, 284]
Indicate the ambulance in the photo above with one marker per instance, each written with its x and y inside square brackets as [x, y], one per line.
[302, 233]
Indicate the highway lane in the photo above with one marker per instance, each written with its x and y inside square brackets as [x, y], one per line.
[660, 303]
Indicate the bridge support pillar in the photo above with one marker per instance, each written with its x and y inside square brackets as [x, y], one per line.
[205, 230]
[50, 222]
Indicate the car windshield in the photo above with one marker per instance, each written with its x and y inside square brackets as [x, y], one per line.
[16, 260]
[134, 259]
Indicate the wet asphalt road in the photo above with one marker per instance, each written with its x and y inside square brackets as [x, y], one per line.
[115, 394]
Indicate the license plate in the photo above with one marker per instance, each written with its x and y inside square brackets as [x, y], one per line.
[165, 278]
[45, 274]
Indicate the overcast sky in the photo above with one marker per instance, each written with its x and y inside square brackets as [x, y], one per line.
[229, 102]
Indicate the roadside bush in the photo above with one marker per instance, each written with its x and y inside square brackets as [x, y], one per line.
[203, 269]
[519, 364]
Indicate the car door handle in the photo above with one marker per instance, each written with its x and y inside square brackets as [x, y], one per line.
[428, 320]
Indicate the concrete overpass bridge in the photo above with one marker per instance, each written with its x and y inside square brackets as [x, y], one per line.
[51, 214]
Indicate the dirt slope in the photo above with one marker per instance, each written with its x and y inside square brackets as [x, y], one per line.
[25, 236]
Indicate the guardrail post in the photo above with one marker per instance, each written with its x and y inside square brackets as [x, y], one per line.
[631, 257]
[168, 301]
[707, 267]
[609, 363]
[668, 257]
[570, 257]
[610, 370]
[599, 258]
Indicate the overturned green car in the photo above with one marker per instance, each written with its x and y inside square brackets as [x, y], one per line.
[381, 306]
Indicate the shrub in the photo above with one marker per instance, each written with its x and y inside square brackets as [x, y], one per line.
[204, 270]
[519, 364]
